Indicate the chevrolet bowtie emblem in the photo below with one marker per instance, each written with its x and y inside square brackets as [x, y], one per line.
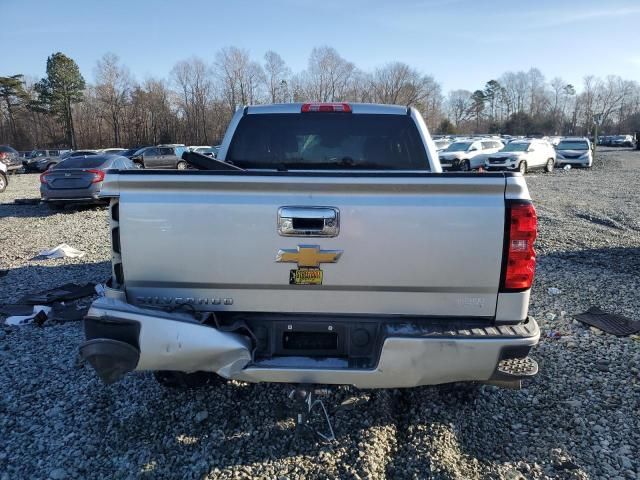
[308, 256]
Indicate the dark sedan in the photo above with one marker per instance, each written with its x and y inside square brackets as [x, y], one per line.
[79, 179]
[42, 164]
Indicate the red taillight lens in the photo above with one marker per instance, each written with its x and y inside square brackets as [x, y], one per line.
[520, 256]
[43, 177]
[98, 175]
[326, 107]
[4, 155]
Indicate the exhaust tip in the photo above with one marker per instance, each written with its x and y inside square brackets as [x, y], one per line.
[111, 359]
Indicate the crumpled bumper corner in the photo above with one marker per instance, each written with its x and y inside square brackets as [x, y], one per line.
[121, 338]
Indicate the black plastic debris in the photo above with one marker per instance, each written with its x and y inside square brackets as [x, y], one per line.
[40, 318]
[609, 322]
[64, 293]
[68, 313]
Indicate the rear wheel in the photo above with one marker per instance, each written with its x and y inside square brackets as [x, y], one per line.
[522, 168]
[465, 166]
[170, 379]
[182, 165]
[3, 182]
[549, 166]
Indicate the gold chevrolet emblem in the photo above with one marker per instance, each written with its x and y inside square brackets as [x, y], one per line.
[308, 256]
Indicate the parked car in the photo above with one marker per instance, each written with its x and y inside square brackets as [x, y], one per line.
[162, 156]
[574, 151]
[113, 151]
[622, 141]
[460, 155]
[522, 156]
[78, 179]
[204, 150]
[4, 179]
[314, 269]
[42, 164]
[442, 144]
[10, 158]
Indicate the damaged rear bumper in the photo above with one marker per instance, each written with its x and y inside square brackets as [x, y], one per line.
[122, 338]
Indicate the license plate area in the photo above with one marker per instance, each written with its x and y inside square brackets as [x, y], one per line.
[305, 276]
[310, 341]
[313, 339]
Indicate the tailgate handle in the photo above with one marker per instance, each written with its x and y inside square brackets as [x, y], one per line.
[308, 221]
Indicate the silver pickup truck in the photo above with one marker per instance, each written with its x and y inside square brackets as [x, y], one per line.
[328, 248]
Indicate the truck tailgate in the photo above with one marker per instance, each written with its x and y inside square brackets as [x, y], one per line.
[416, 244]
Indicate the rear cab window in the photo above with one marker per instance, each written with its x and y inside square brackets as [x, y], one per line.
[320, 141]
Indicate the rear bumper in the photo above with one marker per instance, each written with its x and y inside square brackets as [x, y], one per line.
[122, 337]
[85, 195]
[500, 168]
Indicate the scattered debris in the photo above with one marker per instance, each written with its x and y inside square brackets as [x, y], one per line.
[554, 291]
[64, 293]
[567, 167]
[553, 334]
[609, 322]
[61, 251]
[38, 315]
[56, 305]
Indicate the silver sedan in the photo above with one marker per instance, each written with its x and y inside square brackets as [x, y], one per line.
[79, 179]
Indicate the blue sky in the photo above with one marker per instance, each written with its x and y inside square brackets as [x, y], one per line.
[462, 43]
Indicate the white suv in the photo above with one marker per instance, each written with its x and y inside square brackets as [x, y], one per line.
[461, 154]
[523, 155]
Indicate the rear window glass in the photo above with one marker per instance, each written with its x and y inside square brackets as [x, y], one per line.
[328, 141]
[81, 162]
[572, 145]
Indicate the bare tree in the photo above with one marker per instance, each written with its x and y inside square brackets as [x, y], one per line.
[277, 75]
[113, 85]
[459, 105]
[194, 82]
[240, 78]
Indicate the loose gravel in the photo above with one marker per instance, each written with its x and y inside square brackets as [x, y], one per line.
[579, 418]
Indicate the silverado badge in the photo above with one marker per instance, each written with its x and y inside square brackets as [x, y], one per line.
[308, 258]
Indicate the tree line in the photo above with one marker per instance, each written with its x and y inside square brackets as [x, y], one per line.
[194, 103]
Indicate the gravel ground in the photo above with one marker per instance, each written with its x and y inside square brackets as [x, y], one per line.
[578, 419]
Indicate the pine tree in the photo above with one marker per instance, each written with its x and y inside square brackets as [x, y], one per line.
[62, 87]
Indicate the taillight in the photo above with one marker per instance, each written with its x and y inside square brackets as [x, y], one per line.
[98, 175]
[326, 107]
[4, 155]
[520, 257]
[43, 178]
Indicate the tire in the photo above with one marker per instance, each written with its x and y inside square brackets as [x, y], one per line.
[465, 166]
[182, 166]
[3, 182]
[522, 167]
[549, 166]
[184, 380]
[139, 164]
